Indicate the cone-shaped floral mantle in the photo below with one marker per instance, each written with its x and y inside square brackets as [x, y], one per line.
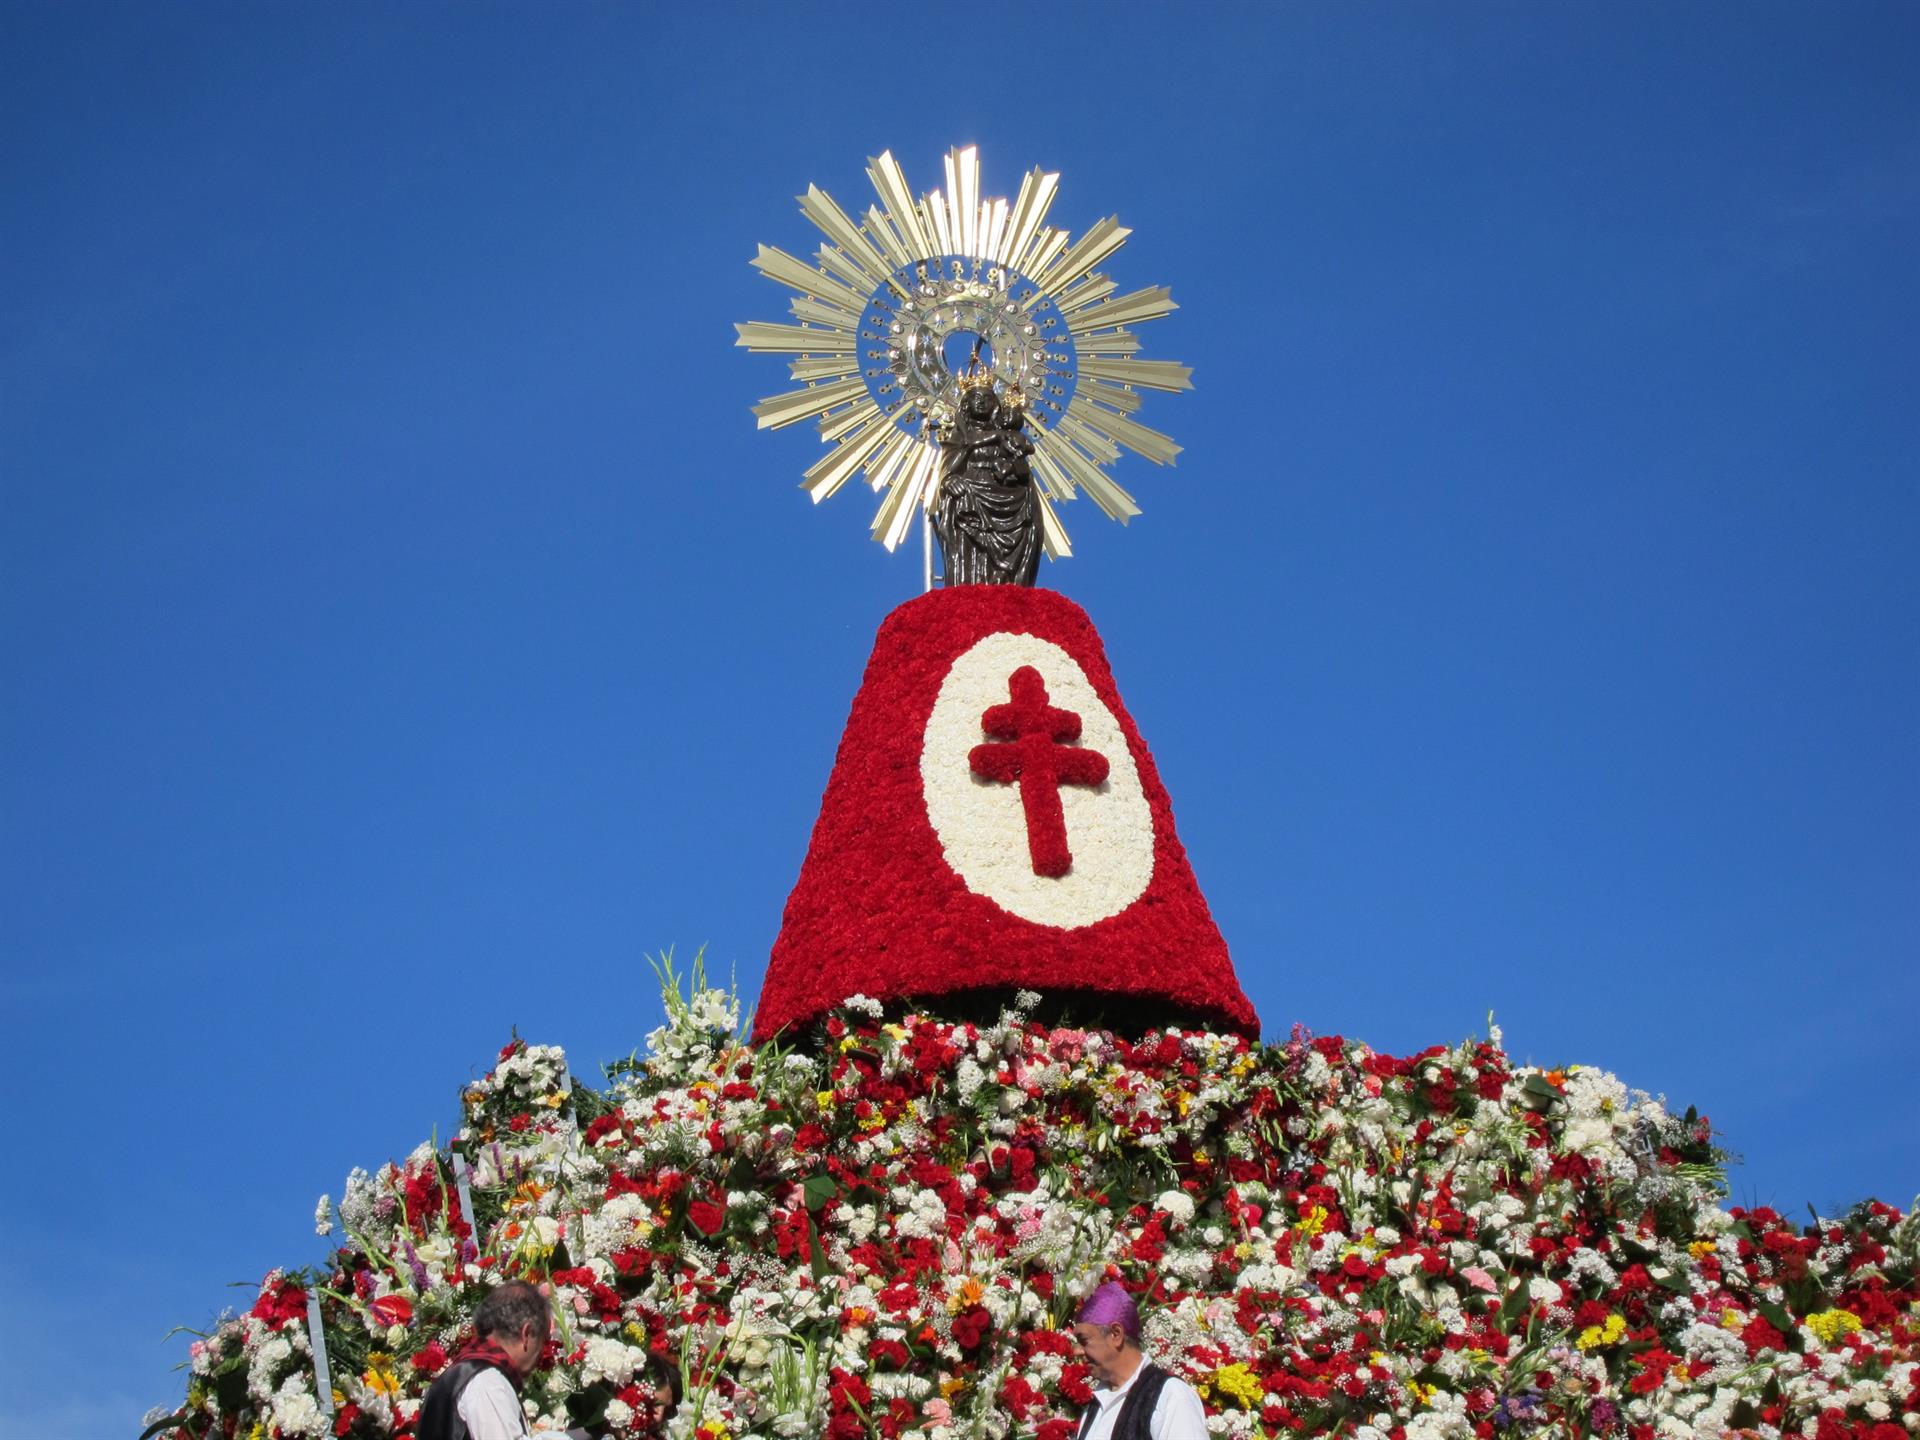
[994, 822]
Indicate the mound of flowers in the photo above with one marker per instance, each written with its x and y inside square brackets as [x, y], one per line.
[882, 1235]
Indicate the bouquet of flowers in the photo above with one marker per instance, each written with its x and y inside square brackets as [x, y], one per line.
[882, 1234]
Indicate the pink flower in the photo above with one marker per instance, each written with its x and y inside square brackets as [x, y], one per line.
[1479, 1279]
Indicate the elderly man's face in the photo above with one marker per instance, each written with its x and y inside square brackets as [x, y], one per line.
[1103, 1347]
[523, 1350]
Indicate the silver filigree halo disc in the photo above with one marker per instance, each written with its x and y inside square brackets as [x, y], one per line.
[878, 315]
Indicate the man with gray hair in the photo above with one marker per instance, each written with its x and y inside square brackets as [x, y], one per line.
[477, 1397]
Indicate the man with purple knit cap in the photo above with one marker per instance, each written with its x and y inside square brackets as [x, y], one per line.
[1135, 1399]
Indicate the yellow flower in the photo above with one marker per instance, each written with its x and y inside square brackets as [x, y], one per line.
[1730, 1319]
[1830, 1325]
[1701, 1247]
[636, 1332]
[951, 1387]
[1238, 1382]
[1594, 1337]
[379, 1376]
[823, 1098]
[1314, 1221]
[555, 1100]
[713, 1430]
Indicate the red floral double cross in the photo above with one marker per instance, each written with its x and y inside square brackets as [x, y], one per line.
[1037, 753]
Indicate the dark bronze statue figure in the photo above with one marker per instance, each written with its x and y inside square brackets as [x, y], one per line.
[986, 512]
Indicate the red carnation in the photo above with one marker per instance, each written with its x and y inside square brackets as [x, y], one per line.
[279, 1305]
[707, 1217]
[970, 1327]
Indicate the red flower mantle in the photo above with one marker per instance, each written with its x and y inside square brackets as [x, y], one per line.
[878, 909]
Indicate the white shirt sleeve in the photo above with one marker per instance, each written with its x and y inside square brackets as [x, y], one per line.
[1178, 1414]
[491, 1408]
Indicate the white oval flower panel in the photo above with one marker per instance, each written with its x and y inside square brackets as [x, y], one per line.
[982, 823]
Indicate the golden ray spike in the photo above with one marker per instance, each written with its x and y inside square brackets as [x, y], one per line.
[1071, 426]
[1036, 198]
[926, 478]
[838, 262]
[888, 459]
[1110, 342]
[1055, 480]
[891, 520]
[1117, 503]
[1154, 374]
[1125, 401]
[890, 184]
[921, 482]
[881, 229]
[993, 224]
[956, 228]
[1046, 245]
[827, 475]
[819, 207]
[890, 506]
[928, 208]
[832, 427]
[777, 411]
[827, 367]
[1093, 289]
[966, 199]
[937, 212]
[1089, 250]
[1148, 304]
[1022, 203]
[805, 307]
[1158, 448]
[798, 275]
[794, 339]
[1053, 535]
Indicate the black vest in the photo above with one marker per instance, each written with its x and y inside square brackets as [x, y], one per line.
[440, 1415]
[1136, 1411]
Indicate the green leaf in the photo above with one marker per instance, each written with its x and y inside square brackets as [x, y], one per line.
[1777, 1316]
[819, 1189]
[1515, 1302]
[816, 1250]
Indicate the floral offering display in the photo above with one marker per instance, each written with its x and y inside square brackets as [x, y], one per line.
[881, 1232]
[987, 730]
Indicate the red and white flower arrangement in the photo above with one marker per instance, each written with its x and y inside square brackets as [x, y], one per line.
[882, 1235]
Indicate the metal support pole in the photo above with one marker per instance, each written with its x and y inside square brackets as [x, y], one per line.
[317, 1342]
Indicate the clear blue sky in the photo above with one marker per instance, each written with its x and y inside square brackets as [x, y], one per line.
[406, 630]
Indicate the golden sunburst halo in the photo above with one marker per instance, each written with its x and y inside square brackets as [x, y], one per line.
[876, 319]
